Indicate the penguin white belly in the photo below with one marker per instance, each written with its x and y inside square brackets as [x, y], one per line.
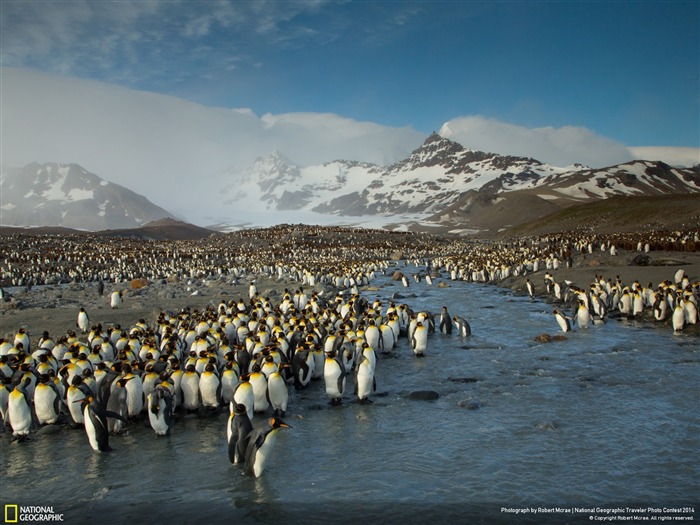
[20, 415]
[190, 392]
[278, 392]
[134, 396]
[263, 453]
[44, 405]
[259, 384]
[209, 389]
[420, 340]
[245, 396]
[91, 430]
[73, 401]
[156, 415]
[229, 383]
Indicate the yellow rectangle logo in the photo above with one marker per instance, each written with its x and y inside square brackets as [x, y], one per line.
[11, 513]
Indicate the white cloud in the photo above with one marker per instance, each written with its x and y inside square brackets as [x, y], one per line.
[673, 156]
[558, 146]
[168, 149]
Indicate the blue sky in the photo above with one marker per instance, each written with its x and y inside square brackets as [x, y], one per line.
[625, 70]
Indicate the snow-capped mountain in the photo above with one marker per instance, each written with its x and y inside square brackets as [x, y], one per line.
[69, 196]
[443, 179]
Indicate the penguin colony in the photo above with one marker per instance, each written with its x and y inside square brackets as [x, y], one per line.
[243, 356]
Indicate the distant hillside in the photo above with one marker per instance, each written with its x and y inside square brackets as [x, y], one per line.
[161, 230]
[618, 214]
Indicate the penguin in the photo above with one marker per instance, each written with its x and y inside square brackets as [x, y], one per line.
[96, 423]
[260, 445]
[229, 381]
[244, 395]
[22, 336]
[302, 366]
[334, 376]
[76, 392]
[678, 318]
[238, 431]
[210, 387]
[47, 401]
[388, 338]
[373, 336]
[5, 389]
[562, 320]
[277, 391]
[115, 299]
[116, 402]
[583, 316]
[20, 411]
[419, 339]
[365, 382]
[462, 326]
[134, 393]
[189, 385]
[445, 321]
[530, 289]
[160, 410]
[259, 383]
[83, 321]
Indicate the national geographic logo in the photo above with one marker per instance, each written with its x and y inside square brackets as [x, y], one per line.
[16, 514]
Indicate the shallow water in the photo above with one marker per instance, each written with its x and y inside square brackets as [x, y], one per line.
[606, 418]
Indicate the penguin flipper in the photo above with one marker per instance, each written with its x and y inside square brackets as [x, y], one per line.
[114, 415]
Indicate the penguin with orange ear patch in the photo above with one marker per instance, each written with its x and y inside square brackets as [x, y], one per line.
[262, 441]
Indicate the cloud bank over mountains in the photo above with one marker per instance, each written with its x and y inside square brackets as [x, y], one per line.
[177, 153]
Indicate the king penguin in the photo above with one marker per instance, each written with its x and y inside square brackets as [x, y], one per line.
[116, 402]
[160, 410]
[445, 321]
[83, 321]
[419, 339]
[365, 382]
[462, 326]
[47, 401]
[334, 376]
[238, 433]
[562, 320]
[20, 411]
[96, 423]
[262, 441]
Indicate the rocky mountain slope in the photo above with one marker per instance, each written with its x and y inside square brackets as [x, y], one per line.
[444, 184]
[69, 196]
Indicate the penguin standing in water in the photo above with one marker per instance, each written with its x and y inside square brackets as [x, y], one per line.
[20, 411]
[160, 410]
[365, 382]
[116, 402]
[562, 320]
[419, 340]
[262, 441]
[96, 423]
[445, 321]
[530, 289]
[462, 326]
[334, 376]
[238, 433]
